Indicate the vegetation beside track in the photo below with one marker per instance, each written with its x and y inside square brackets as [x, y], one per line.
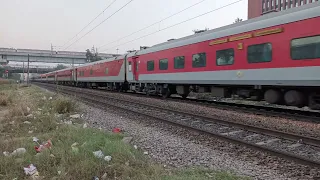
[27, 112]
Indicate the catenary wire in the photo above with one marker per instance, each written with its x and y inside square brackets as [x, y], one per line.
[174, 25]
[153, 24]
[90, 22]
[100, 24]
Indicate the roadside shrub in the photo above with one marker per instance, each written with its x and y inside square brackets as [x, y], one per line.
[3, 101]
[18, 110]
[64, 105]
[3, 81]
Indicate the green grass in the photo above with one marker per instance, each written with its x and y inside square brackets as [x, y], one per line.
[126, 163]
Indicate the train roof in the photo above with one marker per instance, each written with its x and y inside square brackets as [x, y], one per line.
[102, 61]
[88, 64]
[272, 19]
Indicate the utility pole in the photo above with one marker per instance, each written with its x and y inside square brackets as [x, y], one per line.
[23, 72]
[28, 71]
[74, 74]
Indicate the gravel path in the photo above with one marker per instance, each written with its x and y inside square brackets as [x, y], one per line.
[179, 147]
[286, 125]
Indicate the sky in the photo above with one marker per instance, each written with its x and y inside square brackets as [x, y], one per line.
[36, 24]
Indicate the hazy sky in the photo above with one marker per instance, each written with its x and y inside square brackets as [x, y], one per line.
[35, 24]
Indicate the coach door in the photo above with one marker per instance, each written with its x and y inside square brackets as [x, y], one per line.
[72, 75]
[135, 64]
[76, 75]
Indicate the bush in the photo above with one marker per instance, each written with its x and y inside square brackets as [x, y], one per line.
[18, 110]
[3, 81]
[3, 101]
[63, 105]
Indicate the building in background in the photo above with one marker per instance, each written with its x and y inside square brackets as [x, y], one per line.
[259, 7]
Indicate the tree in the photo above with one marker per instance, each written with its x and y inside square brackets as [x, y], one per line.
[89, 55]
[97, 57]
[92, 55]
[237, 20]
[60, 66]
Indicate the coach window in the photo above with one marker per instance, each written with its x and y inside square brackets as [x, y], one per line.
[225, 57]
[260, 53]
[199, 60]
[305, 48]
[150, 65]
[179, 62]
[163, 64]
[91, 71]
[107, 71]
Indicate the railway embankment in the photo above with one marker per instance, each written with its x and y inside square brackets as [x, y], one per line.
[45, 136]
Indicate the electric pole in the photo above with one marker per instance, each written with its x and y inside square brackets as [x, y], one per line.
[28, 71]
[23, 72]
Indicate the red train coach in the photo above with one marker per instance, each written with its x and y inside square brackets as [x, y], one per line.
[275, 57]
[108, 73]
[64, 76]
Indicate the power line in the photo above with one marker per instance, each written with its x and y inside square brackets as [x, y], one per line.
[154, 23]
[100, 24]
[175, 24]
[90, 22]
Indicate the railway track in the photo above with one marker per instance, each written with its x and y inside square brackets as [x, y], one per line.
[301, 149]
[313, 116]
[293, 114]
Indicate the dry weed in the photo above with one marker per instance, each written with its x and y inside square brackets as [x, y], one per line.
[3, 101]
[63, 105]
[4, 82]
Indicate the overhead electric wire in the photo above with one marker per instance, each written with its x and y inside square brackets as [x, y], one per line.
[175, 24]
[154, 23]
[90, 22]
[100, 23]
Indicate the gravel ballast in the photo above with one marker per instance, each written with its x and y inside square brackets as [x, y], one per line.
[281, 124]
[178, 147]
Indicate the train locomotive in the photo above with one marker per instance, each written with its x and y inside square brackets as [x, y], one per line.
[274, 57]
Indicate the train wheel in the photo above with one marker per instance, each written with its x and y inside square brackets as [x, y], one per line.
[148, 93]
[184, 96]
[166, 94]
[295, 98]
[273, 96]
[313, 102]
